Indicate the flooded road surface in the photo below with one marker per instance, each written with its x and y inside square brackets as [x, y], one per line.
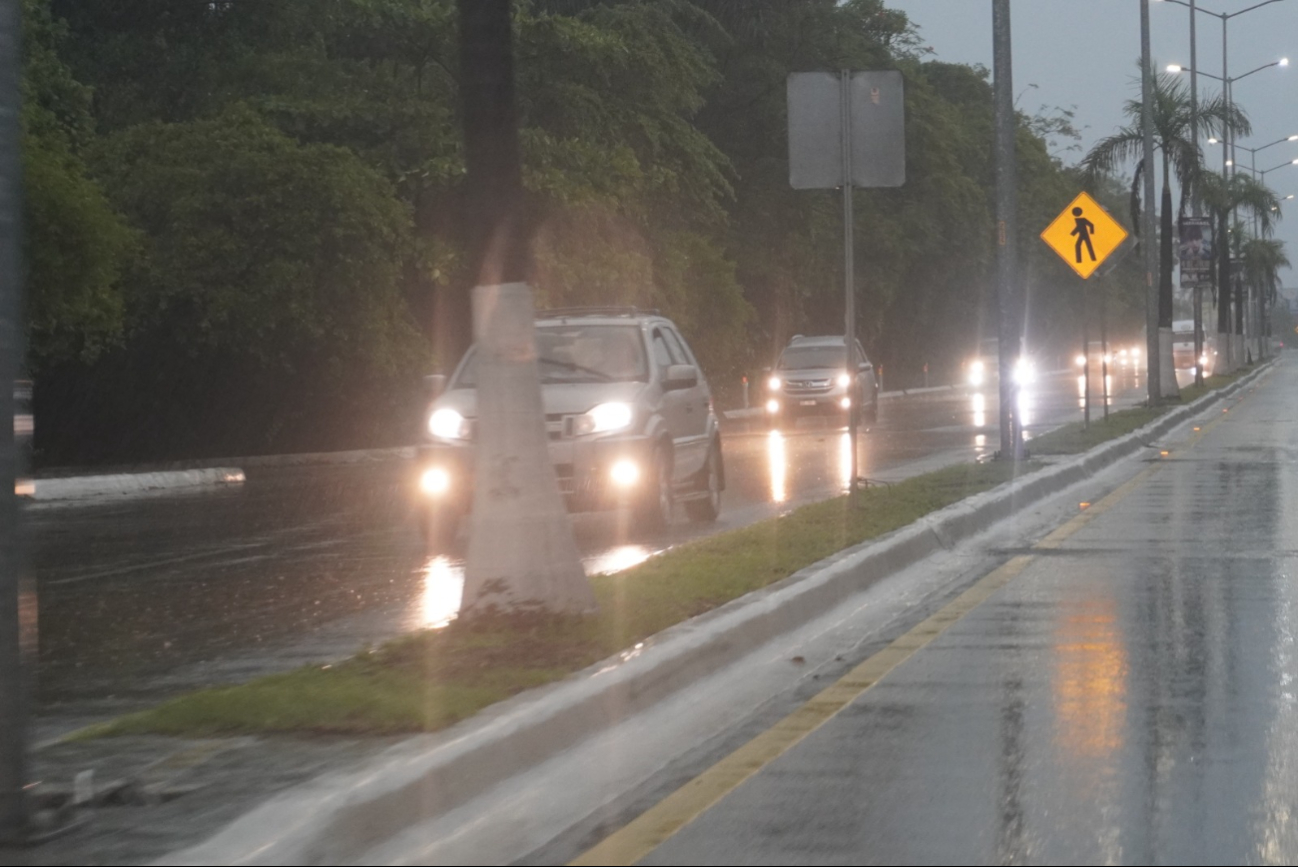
[144, 597]
[1129, 694]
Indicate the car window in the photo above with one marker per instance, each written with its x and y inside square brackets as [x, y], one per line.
[812, 357]
[676, 345]
[578, 353]
[662, 352]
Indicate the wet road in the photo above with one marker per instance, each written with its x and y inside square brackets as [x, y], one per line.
[145, 597]
[1127, 695]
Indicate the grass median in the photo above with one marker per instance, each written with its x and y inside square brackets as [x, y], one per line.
[1077, 437]
[432, 679]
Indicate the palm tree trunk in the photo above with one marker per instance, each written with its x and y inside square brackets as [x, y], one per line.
[522, 555]
[1225, 360]
[1166, 364]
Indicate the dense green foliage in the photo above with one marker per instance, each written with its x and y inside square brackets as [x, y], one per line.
[240, 237]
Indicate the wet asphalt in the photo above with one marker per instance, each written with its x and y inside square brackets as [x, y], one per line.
[146, 597]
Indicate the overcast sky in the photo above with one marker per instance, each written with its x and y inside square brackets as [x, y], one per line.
[1082, 54]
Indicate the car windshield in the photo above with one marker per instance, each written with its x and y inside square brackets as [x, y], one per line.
[812, 357]
[579, 354]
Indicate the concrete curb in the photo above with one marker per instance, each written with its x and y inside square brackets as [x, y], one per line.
[340, 817]
[121, 484]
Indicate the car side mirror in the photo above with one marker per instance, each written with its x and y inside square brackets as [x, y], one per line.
[434, 385]
[681, 376]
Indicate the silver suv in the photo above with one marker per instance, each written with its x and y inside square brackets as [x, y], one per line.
[811, 378]
[628, 412]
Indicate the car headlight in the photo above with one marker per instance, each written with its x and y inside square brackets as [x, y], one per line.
[844, 380]
[605, 418]
[773, 383]
[448, 424]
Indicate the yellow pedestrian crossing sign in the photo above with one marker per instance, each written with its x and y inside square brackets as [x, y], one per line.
[1084, 235]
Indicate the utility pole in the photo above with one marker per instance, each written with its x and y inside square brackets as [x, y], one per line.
[1148, 229]
[14, 626]
[1007, 295]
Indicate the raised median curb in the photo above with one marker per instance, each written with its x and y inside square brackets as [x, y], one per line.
[341, 817]
[123, 484]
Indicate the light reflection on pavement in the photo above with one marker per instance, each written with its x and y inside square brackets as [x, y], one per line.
[142, 598]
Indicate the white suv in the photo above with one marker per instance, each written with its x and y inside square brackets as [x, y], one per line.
[628, 412]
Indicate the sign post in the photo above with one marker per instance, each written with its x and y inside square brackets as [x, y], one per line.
[845, 130]
[1084, 235]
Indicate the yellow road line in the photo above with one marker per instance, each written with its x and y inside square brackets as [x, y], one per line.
[661, 822]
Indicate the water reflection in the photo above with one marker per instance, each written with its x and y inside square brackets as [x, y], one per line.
[779, 464]
[617, 559]
[442, 593]
[1090, 682]
[1025, 407]
[979, 410]
[845, 460]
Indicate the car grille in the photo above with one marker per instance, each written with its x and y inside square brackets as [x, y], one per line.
[807, 386]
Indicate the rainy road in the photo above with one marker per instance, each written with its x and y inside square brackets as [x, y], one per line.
[1127, 695]
[144, 597]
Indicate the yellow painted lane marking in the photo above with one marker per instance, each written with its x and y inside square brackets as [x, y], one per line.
[665, 819]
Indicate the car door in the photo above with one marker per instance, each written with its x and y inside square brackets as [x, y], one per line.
[692, 441]
[675, 403]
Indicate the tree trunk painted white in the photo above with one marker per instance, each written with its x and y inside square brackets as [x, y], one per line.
[1167, 366]
[522, 556]
[1224, 364]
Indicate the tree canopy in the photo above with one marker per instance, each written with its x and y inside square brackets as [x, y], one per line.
[244, 217]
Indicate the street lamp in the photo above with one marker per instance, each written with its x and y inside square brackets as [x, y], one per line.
[1223, 310]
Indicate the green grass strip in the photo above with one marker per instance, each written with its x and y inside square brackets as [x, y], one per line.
[1075, 437]
[432, 679]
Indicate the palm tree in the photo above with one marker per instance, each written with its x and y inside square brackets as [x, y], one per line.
[1263, 260]
[1180, 155]
[1224, 196]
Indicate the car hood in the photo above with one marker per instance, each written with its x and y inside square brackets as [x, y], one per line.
[558, 399]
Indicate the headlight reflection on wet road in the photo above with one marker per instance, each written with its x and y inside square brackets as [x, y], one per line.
[778, 461]
[845, 459]
[443, 591]
[980, 410]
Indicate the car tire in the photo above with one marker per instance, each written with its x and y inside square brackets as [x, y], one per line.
[439, 525]
[706, 509]
[653, 511]
[872, 411]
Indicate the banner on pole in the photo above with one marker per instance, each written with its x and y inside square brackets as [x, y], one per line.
[1196, 251]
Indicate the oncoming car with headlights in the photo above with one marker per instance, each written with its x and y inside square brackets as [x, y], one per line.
[628, 414]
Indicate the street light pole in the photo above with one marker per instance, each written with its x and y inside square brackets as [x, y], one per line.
[14, 639]
[1194, 137]
[1006, 229]
[1227, 158]
[1147, 218]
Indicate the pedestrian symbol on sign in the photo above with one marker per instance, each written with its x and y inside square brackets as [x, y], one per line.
[1083, 230]
[1084, 235]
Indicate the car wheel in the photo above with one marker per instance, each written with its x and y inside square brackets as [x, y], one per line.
[439, 524]
[653, 512]
[706, 509]
[872, 411]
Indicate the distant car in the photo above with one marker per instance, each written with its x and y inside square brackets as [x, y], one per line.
[629, 415]
[983, 367]
[811, 378]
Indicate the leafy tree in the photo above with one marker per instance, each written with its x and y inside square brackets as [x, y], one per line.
[75, 245]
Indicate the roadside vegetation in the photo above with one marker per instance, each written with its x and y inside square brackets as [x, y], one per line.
[244, 229]
[1076, 437]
